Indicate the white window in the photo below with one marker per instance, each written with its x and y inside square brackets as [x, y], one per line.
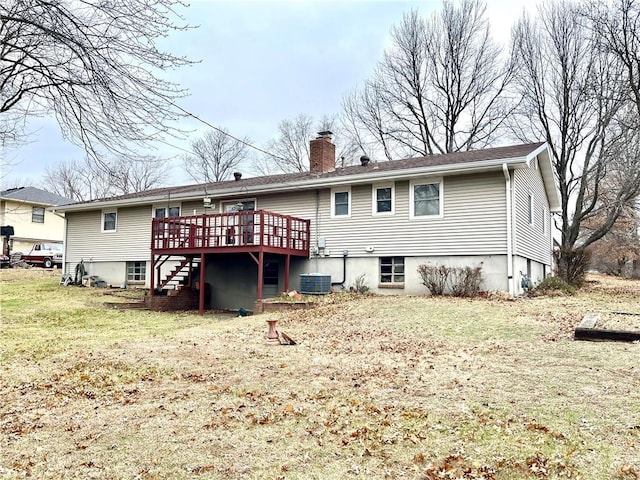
[392, 271]
[37, 215]
[530, 212]
[426, 199]
[109, 221]
[341, 202]
[383, 200]
[136, 271]
[161, 212]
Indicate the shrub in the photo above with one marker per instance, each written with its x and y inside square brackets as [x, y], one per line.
[466, 281]
[552, 285]
[572, 265]
[434, 277]
[460, 281]
[360, 285]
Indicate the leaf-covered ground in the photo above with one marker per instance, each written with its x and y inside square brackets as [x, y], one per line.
[378, 387]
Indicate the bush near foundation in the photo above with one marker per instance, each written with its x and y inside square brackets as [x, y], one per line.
[457, 281]
[551, 286]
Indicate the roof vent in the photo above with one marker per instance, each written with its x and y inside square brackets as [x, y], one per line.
[237, 175]
[364, 160]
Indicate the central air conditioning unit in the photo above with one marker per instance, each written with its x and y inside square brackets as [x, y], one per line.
[315, 283]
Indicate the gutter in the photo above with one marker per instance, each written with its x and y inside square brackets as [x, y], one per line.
[507, 180]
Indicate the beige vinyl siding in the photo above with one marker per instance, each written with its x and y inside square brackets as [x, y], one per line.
[130, 242]
[531, 240]
[188, 207]
[301, 204]
[473, 223]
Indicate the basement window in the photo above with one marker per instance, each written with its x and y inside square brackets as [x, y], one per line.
[392, 272]
[136, 271]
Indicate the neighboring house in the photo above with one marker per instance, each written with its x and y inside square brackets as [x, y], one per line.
[27, 210]
[381, 220]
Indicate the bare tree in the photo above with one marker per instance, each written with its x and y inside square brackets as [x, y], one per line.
[441, 87]
[617, 28]
[215, 156]
[572, 100]
[94, 65]
[89, 180]
[290, 148]
[618, 251]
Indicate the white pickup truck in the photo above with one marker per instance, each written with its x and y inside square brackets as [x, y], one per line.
[44, 254]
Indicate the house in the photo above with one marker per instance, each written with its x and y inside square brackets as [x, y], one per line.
[26, 210]
[249, 238]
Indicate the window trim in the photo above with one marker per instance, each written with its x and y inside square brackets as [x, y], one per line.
[225, 203]
[102, 215]
[531, 209]
[333, 201]
[426, 181]
[544, 220]
[33, 213]
[374, 198]
[156, 207]
[392, 284]
[140, 282]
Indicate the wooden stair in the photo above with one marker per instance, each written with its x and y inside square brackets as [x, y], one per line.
[181, 275]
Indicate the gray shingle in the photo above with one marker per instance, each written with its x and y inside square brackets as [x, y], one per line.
[35, 195]
[457, 158]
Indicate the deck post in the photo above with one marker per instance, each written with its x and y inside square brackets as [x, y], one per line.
[260, 273]
[286, 272]
[202, 288]
[152, 280]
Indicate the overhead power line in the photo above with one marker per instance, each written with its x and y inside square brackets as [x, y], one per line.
[204, 122]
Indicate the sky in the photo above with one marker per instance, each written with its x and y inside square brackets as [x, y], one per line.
[260, 62]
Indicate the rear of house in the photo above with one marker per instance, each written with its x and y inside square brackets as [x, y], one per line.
[375, 222]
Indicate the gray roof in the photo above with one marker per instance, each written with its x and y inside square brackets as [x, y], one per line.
[34, 195]
[456, 158]
[449, 163]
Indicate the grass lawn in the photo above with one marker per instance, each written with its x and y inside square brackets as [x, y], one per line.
[378, 387]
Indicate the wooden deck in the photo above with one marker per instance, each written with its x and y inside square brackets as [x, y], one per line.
[246, 231]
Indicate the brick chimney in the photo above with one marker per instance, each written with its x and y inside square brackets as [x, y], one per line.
[322, 153]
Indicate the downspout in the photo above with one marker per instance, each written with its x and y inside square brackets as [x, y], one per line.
[344, 270]
[317, 228]
[507, 179]
[65, 243]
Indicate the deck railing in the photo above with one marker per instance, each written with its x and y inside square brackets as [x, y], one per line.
[230, 231]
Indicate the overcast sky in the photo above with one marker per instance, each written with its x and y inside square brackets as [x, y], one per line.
[261, 62]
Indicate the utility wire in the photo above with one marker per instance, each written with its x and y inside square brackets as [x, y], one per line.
[173, 146]
[197, 118]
